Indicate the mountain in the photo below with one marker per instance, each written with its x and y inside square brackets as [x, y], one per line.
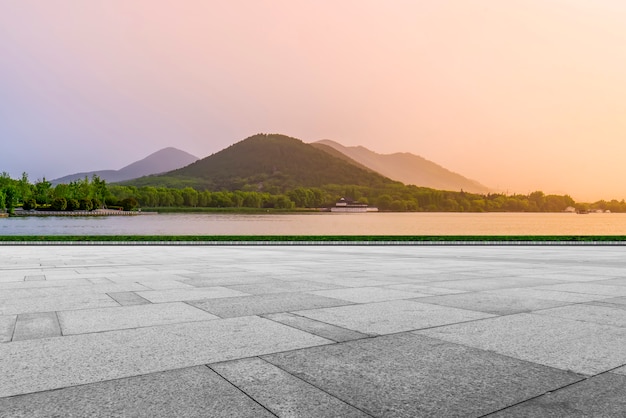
[266, 162]
[161, 161]
[406, 168]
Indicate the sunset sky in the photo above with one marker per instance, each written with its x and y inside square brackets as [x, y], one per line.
[520, 95]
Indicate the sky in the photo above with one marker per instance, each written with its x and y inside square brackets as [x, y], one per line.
[520, 95]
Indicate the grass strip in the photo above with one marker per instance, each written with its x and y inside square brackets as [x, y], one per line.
[312, 238]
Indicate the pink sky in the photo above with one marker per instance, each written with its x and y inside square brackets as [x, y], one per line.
[520, 95]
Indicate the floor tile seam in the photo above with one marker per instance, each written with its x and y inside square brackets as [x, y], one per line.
[314, 385]
[365, 335]
[615, 327]
[208, 366]
[533, 398]
[78, 385]
[145, 326]
[581, 376]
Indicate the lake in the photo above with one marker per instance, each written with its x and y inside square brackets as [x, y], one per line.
[324, 224]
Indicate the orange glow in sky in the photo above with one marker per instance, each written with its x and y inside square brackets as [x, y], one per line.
[520, 95]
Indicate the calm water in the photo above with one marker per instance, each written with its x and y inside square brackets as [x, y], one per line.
[324, 224]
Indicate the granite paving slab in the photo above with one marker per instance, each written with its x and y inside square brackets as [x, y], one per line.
[589, 289]
[190, 392]
[179, 295]
[407, 375]
[391, 316]
[321, 329]
[620, 370]
[491, 303]
[365, 294]
[282, 393]
[479, 284]
[52, 363]
[7, 325]
[43, 284]
[546, 294]
[128, 298]
[264, 304]
[63, 291]
[598, 396]
[589, 313]
[424, 290]
[617, 281]
[557, 342]
[37, 277]
[281, 287]
[31, 326]
[160, 284]
[56, 303]
[108, 319]
[221, 280]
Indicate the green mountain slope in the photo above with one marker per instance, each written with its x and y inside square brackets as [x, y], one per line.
[266, 162]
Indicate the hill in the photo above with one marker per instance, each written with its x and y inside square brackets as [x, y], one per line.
[268, 163]
[407, 168]
[161, 161]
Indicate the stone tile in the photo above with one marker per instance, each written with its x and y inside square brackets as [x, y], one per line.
[569, 275]
[556, 342]
[57, 303]
[178, 295]
[407, 375]
[282, 393]
[589, 313]
[345, 281]
[588, 289]
[33, 278]
[545, 294]
[98, 280]
[228, 280]
[31, 326]
[42, 284]
[128, 298]
[365, 294]
[190, 392]
[52, 363]
[67, 291]
[321, 329]
[620, 370]
[263, 304]
[618, 281]
[392, 316]
[424, 290]
[481, 284]
[108, 319]
[164, 284]
[598, 396]
[491, 303]
[282, 287]
[7, 325]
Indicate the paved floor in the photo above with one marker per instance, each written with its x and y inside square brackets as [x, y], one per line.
[312, 331]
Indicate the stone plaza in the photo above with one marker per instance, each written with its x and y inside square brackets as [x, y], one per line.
[312, 331]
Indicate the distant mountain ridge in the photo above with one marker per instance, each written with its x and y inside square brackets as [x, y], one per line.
[407, 168]
[266, 162]
[162, 161]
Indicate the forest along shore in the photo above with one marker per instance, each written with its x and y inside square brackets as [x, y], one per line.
[96, 212]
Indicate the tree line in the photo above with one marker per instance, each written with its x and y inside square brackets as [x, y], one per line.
[93, 193]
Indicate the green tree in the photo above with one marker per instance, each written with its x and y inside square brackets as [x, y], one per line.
[59, 203]
[10, 198]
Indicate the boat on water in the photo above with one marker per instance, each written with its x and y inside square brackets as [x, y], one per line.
[352, 206]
